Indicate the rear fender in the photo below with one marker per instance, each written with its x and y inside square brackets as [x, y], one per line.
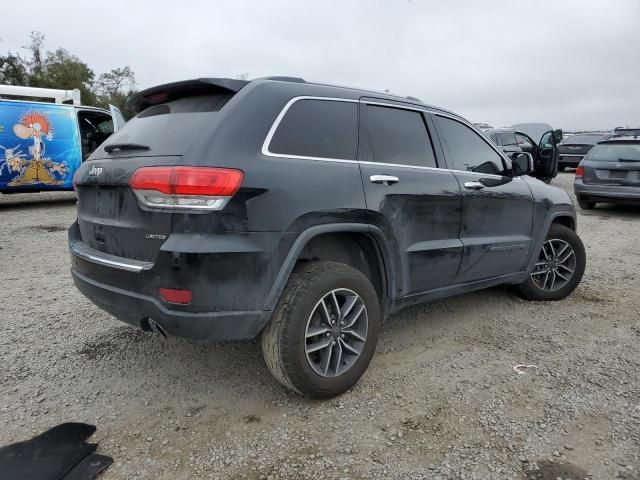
[300, 242]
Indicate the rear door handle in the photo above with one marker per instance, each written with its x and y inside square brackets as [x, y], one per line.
[384, 179]
[473, 185]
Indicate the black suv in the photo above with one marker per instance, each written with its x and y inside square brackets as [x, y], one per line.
[307, 214]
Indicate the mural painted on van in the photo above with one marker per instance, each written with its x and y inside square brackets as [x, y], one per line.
[39, 145]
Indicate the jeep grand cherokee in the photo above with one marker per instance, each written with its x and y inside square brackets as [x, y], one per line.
[307, 214]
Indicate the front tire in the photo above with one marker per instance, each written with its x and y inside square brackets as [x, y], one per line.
[558, 268]
[324, 330]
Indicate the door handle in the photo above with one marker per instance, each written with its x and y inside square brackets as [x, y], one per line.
[384, 179]
[473, 185]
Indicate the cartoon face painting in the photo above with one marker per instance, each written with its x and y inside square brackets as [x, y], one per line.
[33, 166]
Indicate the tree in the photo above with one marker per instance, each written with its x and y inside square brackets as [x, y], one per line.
[114, 87]
[13, 70]
[61, 69]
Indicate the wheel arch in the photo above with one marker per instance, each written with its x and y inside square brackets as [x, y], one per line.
[375, 261]
[561, 217]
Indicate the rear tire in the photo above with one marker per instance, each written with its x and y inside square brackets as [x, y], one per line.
[289, 340]
[559, 266]
[586, 205]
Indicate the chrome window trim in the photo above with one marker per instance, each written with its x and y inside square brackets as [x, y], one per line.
[276, 123]
[267, 141]
[437, 169]
[401, 165]
[446, 115]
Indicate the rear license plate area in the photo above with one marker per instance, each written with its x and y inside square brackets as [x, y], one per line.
[106, 203]
[617, 174]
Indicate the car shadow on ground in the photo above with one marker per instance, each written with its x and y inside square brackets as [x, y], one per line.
[123, 357]
[607, 210]
[17, 201]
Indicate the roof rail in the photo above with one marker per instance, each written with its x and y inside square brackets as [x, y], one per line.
[58, 96]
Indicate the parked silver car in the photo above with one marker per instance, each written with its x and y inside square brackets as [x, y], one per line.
[609, 173]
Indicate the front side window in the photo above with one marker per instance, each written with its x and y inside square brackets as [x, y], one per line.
[524, 142]
[467, 150]
[318, 128]
[399, 136]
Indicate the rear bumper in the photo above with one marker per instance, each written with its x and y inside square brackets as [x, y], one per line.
[229, 275]
[569, 160]
[606, 193]
[136, 309]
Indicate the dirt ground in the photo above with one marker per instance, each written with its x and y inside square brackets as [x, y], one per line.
[439, 401]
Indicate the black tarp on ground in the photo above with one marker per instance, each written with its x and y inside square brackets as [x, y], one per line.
[60, 453]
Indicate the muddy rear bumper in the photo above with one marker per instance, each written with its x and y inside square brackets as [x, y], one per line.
[136, 309]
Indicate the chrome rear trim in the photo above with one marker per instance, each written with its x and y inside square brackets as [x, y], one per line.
[89, 254]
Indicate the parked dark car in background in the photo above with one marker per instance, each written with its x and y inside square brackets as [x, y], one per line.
[574, 148]
[625, 132]
[505, 138]
[544, 151]
[610, 173]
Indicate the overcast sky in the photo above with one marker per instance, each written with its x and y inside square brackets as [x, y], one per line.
[574, 64]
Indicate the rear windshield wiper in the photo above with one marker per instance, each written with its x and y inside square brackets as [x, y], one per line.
[629, 159]
[125, 146]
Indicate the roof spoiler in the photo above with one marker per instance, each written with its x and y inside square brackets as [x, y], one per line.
[171, 91]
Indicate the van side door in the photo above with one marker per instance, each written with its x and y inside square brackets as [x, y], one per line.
[118, 118]
[414, 202]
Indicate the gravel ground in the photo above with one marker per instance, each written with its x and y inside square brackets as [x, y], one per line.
[439, 401]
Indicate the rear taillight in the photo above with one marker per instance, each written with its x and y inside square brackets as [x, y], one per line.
[190, 188]
[579, 171]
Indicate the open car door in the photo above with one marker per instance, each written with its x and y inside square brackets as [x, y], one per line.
[118, 118]
[547, 167]
[546, 154]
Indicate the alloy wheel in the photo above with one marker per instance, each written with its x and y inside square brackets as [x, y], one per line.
[336, 332]
[555, 266]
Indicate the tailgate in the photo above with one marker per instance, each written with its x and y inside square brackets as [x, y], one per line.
[110, 217]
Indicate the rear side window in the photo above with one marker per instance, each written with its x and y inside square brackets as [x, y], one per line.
[507, 139]
[318, 128]
[467, 150]
[399, 136]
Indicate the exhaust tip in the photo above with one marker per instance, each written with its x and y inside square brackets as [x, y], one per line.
[153, 326]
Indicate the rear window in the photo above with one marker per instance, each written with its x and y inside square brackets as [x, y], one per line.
[201, 103]
[584, 139]
[615, 152]
[318, 128]
[170, 128]
[507, 138]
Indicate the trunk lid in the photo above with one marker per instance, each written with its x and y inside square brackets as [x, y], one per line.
[110, 217]
[171, 119]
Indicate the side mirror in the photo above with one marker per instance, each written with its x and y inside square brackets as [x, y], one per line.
[522, 164]
[557, 135]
